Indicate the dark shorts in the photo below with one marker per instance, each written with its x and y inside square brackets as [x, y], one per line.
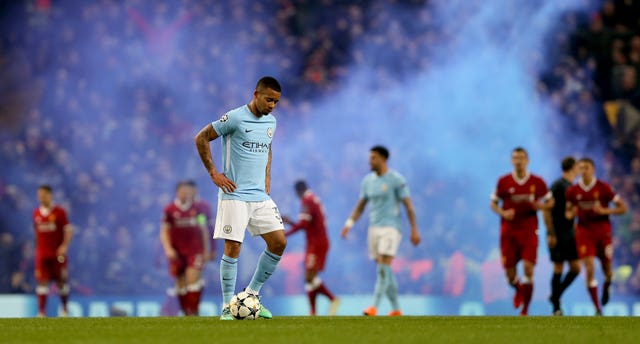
[565, 250]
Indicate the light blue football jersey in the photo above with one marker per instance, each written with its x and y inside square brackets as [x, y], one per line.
[246, 140]
[384, 194]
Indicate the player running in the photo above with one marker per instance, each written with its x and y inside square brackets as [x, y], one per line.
[589, 200]
[385, 189]
[522, 195]
[312, 220]
[243, 199]
[185, 239]
[560, 235]
[53, 234]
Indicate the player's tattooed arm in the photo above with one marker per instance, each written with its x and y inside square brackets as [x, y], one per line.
[202, 139]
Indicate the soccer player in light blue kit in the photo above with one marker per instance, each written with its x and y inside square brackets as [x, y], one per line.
[384, 189]
[244, 183]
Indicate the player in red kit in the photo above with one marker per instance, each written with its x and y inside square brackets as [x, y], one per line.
[53, 234]
[522, 195]
[312, 220]
[185, 240]
[589, 200]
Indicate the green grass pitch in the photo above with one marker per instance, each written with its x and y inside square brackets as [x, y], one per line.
[326, 330]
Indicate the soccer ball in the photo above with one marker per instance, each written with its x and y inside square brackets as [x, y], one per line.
[244, 306]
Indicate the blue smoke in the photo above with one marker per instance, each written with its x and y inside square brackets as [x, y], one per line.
[448, 86]
[451, 89]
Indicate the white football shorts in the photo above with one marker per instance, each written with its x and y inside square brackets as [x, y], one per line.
[383, 241]
[234, 216]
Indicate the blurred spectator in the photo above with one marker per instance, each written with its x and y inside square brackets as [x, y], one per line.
[606, 47]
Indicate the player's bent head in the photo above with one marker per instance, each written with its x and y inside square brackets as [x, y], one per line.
[568, 163]
[383, 151]
[268, 82]
[300, 186]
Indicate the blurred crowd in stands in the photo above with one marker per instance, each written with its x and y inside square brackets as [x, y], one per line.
[595, 81]
[141, 49]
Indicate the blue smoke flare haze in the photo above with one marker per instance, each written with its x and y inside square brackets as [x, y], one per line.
[449, 86]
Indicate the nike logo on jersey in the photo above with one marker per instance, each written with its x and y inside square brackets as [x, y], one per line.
[248, 130]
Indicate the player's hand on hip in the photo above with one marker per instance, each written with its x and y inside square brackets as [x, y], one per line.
[224, 183]
[508, 214]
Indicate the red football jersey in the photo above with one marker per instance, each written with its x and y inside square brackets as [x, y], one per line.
[312, 220]
[185, 230]
[49, 226]
[520, 194]
[585, 197]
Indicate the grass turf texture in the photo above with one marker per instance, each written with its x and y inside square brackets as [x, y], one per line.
[331, 330]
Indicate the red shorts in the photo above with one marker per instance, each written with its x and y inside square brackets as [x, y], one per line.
[50, 268]
[315, 257]
[595, 243]
[179, 265]
[516, 245]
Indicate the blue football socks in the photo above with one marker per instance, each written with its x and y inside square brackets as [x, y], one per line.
[228, 274]
[392, 288]
[382, 283]
[266, 266]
